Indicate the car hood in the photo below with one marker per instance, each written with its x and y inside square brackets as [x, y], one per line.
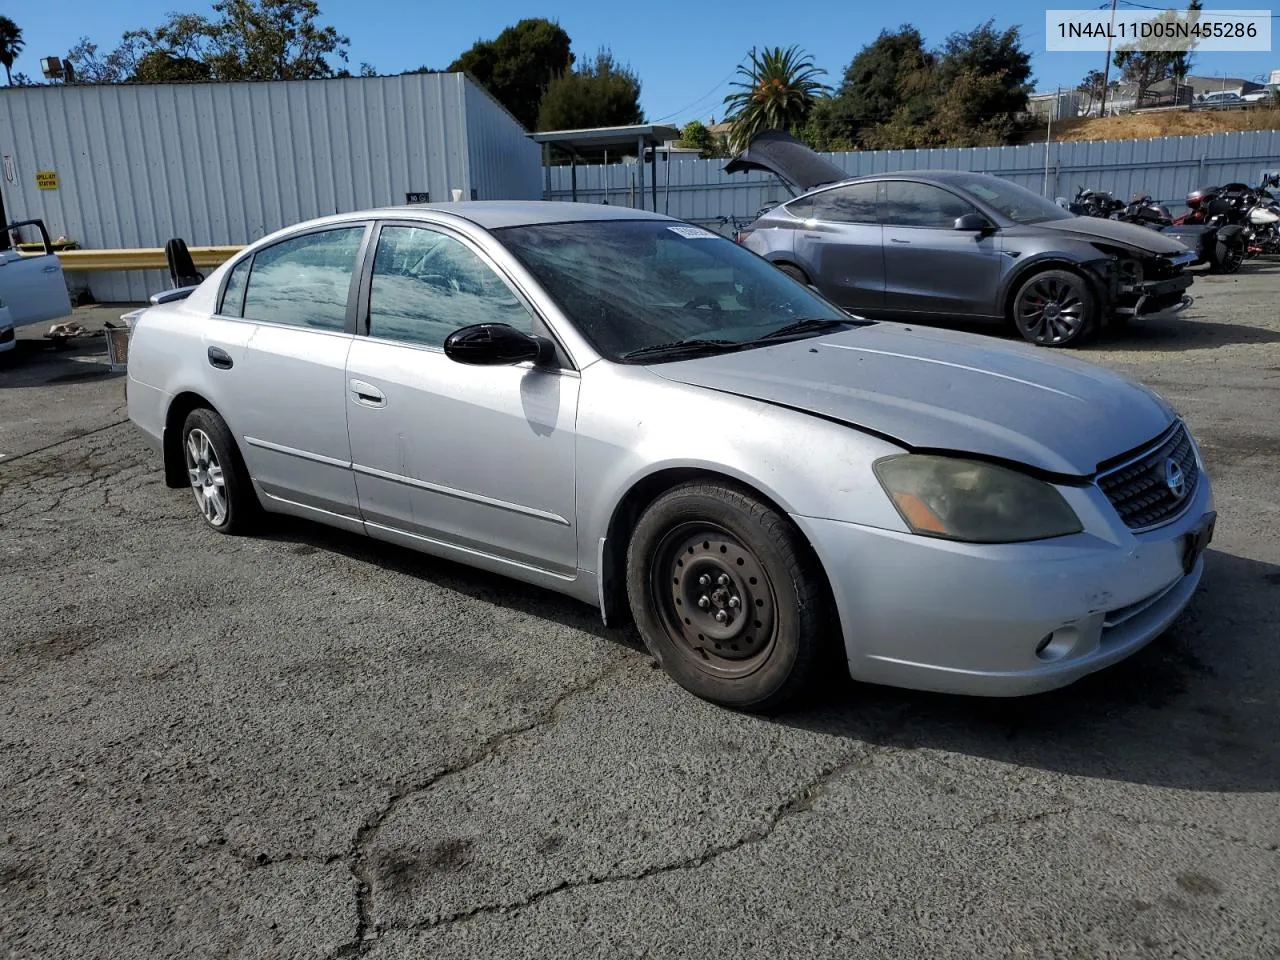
[1116, 231]
[939, 390]
[783, 155]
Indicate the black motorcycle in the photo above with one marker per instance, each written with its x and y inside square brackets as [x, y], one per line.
[1095, 203]
[1213, 234]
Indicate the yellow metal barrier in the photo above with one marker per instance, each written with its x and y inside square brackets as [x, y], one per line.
[141, 258]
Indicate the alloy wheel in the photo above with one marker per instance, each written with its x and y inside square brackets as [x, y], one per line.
[207, 480]
[1050, 310]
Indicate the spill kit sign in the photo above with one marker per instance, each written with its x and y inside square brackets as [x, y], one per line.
[47, 179]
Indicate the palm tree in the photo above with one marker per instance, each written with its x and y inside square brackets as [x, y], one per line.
[10, 45]
[775, 93]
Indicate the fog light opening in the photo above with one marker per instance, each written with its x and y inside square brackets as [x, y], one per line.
[1056, 645]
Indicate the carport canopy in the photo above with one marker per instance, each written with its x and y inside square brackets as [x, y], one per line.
[595, 145]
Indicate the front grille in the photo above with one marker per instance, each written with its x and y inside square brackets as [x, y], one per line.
[1140, 490]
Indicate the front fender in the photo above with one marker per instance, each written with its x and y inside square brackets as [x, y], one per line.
[633, 425]
[1093, 266]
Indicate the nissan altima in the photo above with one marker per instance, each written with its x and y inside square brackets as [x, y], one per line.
[650, 418]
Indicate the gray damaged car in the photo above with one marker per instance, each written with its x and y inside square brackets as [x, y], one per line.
[950, 245]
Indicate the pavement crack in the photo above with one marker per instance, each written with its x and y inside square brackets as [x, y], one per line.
[800, 802]
[366, 933]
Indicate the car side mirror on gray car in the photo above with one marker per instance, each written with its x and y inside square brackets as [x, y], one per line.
[974, 223]
[495, 344]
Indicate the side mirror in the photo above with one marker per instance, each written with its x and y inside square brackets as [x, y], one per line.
[496, 344]
[973, 223]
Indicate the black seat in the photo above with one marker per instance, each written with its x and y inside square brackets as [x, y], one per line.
[182, 269]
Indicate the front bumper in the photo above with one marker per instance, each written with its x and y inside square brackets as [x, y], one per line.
[1153, 296]
[932, 614]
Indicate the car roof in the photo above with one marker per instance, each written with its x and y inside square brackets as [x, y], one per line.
[931, 176]
[492, 214]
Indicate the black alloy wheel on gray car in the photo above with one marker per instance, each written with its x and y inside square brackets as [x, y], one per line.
[217, 476]
[1054, 308]
[728, 597]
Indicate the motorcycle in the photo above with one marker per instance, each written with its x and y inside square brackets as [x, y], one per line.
[1263, 217]
[1094, 203]
[1204, 229]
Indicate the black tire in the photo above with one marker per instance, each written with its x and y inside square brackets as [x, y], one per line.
[1227, 255]
[794, 272]
[1054, 308]
[778, 618]
[239, 507]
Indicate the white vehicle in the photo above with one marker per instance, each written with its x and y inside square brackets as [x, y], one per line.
[1257, 96]
[32, 287]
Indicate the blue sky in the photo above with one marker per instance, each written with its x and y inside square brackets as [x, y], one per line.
[685, 52]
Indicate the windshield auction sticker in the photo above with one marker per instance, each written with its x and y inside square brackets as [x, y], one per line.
[1170, 31]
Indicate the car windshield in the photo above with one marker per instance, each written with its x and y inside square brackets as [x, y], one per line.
[1017, 203]
[639, 286]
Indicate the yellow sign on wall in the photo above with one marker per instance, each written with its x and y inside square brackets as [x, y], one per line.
[47, 179]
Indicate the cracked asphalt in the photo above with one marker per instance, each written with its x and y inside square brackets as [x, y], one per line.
[304, 744]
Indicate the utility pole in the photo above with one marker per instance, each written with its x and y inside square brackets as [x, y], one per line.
[1106, 67]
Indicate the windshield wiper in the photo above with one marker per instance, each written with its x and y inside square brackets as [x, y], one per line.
[694, 345]
[806, 325]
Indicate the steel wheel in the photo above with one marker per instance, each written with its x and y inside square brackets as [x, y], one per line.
[207, 479]
[1053, 308]
[717, 602]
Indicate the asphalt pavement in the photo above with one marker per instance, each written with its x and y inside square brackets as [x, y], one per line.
[306, 744]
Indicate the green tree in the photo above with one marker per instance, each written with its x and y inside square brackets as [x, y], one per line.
[872, 91]
[159, 66]
[599, 93]
[11, 45]
[518, 65]
[1091, 87]
[998, 58]
[245, 40]
[695, 135]
[776, 91]
[1164, 58]
[92, 66]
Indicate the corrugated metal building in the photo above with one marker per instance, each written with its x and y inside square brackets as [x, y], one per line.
[227, 163]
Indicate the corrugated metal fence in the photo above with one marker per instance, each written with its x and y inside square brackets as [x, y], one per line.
[227, 163]
[1167, 168]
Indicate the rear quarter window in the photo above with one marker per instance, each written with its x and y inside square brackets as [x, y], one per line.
[232, 304]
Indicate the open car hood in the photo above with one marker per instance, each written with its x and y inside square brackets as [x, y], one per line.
[782, 154]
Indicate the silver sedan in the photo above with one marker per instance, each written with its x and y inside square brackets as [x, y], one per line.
[645, 416]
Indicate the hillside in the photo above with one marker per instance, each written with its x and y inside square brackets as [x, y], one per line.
[1173, 123]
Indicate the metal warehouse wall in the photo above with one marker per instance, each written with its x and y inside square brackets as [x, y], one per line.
[1167, 168]
[505, 163]
[228, 163]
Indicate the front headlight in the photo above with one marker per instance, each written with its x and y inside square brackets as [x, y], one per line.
[973, 501]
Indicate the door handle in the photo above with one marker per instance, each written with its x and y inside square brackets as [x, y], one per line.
[52, 268]
[814, 236]
[896, 240]
[220, 358]
[367, 394]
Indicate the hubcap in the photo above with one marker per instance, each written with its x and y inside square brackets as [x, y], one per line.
[717, 601]
[205, 473]
[1050, 311]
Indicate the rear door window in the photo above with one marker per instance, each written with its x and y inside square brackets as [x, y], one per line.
[304, 281]
[855, 203]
